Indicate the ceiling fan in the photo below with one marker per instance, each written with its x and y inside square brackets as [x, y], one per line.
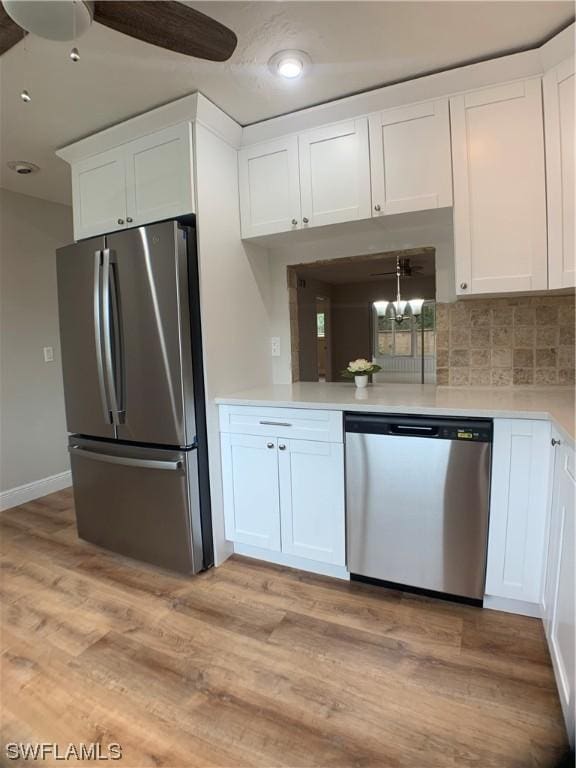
[165, 23]
[403, 268]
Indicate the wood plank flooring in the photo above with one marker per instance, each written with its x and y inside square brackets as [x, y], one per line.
[257, 665]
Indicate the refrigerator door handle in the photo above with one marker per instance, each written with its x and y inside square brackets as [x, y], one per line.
[106, 320]
[98, 335]
[125, 461]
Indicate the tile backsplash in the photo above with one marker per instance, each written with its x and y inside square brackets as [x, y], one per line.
[506, 341]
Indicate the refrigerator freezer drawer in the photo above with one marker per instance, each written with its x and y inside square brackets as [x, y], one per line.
[139, 502]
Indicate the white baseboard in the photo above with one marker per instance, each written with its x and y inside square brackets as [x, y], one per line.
[24, 493]
[512, 606]
[292, 561]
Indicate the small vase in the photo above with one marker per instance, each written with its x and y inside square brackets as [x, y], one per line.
[361, 381]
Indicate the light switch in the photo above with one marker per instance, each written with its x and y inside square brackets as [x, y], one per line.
[275, 346]
[48, 354]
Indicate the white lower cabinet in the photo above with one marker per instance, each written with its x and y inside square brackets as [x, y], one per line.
[312, 500]
[284, 495]
[518, 510]
[250, 484]
[559, 598]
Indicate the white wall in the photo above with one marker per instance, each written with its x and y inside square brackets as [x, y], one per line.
[389, 233]
[235, 295]
[33, 427]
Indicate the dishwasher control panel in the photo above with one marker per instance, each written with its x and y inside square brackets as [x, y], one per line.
[466, 430]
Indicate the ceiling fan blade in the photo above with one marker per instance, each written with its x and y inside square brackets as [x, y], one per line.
[10, 32]
[383, 274]
[170, 25]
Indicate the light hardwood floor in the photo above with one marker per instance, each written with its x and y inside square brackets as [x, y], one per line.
[257, 665]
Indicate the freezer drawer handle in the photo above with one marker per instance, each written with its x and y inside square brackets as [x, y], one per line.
[275, 424]
[143, 463]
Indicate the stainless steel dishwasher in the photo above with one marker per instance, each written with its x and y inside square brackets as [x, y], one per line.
[417, 502]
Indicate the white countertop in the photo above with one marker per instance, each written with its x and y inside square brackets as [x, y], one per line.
[553, 403]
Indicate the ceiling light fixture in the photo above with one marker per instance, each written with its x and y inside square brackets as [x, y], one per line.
[290, 65]
[397, 309]
[22, 167]
[51, 19]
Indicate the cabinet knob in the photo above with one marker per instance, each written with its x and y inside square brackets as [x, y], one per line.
[378, 208]
[305, 220]
[120, 221]
[463, 286]
[282, 447]
[129, 219]
[269, 445]
[294, 221]
[556, 442]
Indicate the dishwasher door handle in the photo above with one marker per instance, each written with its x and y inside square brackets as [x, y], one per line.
[413, 429]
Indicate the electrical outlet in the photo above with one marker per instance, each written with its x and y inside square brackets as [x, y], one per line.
[48, 354]
[275, 346]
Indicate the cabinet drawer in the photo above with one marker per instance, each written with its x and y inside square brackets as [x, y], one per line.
[296, 423]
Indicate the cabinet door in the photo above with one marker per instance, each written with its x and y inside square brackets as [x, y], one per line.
[159, 176]
[250, 486]
[499, 189]
[560, 593]
[559, 84]
[410, 159]
[521, 458]
[269, 187]
[99, 194]
[335, 173]
[312, 499]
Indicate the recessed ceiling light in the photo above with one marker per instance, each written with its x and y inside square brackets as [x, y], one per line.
[22, 167]
[289, 65]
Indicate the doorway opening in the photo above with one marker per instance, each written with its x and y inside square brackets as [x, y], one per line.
[342, 309]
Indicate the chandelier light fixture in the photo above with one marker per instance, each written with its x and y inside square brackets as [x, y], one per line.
[400, 309]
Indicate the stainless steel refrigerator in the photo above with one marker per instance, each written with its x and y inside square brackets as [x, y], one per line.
[133, 384]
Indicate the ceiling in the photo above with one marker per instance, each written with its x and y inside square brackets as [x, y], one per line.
[353, 46]
[367, 269]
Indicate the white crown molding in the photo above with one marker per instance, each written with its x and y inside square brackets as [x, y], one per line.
[195, 107]
[517, 66]
[35, 490]
[557, 49]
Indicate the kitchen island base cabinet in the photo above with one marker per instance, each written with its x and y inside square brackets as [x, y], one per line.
[285, 496]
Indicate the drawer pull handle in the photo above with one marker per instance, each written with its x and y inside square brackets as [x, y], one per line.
[282, 447]
[275, 424]
[556, 442]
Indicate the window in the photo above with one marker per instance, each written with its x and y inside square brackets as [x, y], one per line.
[405, 339]
[320, 328]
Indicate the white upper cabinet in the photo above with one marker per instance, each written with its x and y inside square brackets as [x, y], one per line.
[99, 194]
[139, 182]
[499, 189]
[410, 161]
[312, 500]
[559, 84]
[521, 458]
[335, 173]
[159, 175]
[269, 187]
